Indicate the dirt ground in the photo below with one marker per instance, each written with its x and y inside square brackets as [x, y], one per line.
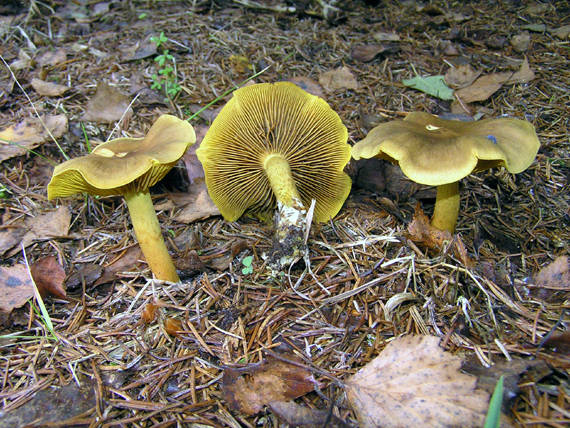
[129, 351]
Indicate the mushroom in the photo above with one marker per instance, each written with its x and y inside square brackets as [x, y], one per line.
[273, 145]
[441, 152]
[128, 167]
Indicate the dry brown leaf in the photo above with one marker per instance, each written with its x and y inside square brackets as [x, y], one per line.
[46, 226]
[108, 105]
[194, 167]
[190, 263]
[340, 78]
[148, 314]
[461, 76]
[248, 389]
[10, 237]
[413, 382]
[521, 42]
[29, 134]
[84, 272]
[309, 85]
[126, 262]
[196, 204]
[421, 231]
[298, 415]
[555, 276]
[49, 89]
[173, 326]
[381, 36]
[52, 58]
[366, 53]
[561, 32]
[559, 342]
[16, 287]
[24, 61]
[487, 85]
[49, 276]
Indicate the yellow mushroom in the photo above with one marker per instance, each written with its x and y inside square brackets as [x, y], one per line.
[128, 167]
[441, 152]
[275, 146]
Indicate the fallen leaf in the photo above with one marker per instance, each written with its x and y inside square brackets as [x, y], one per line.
[421, 231]
[173, 326]
[461, 76]
[45, 226]
[190, 263]
[18, 139]
[49, 276]
[521, 42]
[196, 204]
[16, 287]
[309, 85]
[24, 61]
[381, 36]
[535, 28]
[298, 415]
[194, 167]
[140, 50]
[432, 85]
[53, 405]
[559, 342]
[487, 85]
[10, 237]
[52, 58]
[413, 382]
[108, 105]
[552, 280]
[248, 389]
[366, 53]
[48, 89]
[561, 32]
[88, 272]
[511, 371]
[128, 261]
[148, 314]
[340, 78]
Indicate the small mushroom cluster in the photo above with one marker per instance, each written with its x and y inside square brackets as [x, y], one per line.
[275, 148]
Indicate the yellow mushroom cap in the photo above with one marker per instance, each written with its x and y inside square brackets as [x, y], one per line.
[125, 164]
[436, 151]
[275, 118]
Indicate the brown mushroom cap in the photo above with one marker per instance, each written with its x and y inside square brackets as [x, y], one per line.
[280, 118]
[125, 164]
[436, 151]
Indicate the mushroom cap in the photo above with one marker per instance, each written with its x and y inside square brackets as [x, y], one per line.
[436, 151]
[275, 118]
[125, 165]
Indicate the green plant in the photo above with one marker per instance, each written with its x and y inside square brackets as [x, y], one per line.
[246, 262]
[3, 191]
[493, 418]
[165, 79]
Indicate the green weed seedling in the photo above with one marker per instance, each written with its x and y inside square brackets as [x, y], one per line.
[246, 262]
[165, 79]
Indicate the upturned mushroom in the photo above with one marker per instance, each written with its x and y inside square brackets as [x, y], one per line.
[274, 146]
[128, 167]
[441, 152]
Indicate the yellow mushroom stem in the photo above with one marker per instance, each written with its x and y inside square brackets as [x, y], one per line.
[149, 235]
[446, 208]
[281, 180]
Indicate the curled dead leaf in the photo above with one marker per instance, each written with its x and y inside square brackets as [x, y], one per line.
[248, 389]
[108, 105]
[49, 277]
[149, 314]
[173, 326]
[48, 89]
[413, 382]
[340, 78]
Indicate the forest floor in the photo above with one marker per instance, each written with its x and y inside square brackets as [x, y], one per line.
[121, 349]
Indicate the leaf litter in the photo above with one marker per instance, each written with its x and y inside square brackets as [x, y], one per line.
[331, 310]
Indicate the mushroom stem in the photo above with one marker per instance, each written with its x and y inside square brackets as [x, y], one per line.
[281, 180]
[149, 235]
[446, 207]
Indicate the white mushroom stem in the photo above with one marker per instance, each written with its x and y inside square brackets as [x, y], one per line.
[446, 208]
[149, 236]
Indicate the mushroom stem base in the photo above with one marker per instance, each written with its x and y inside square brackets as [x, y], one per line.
[446, 207]
[149, 235]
